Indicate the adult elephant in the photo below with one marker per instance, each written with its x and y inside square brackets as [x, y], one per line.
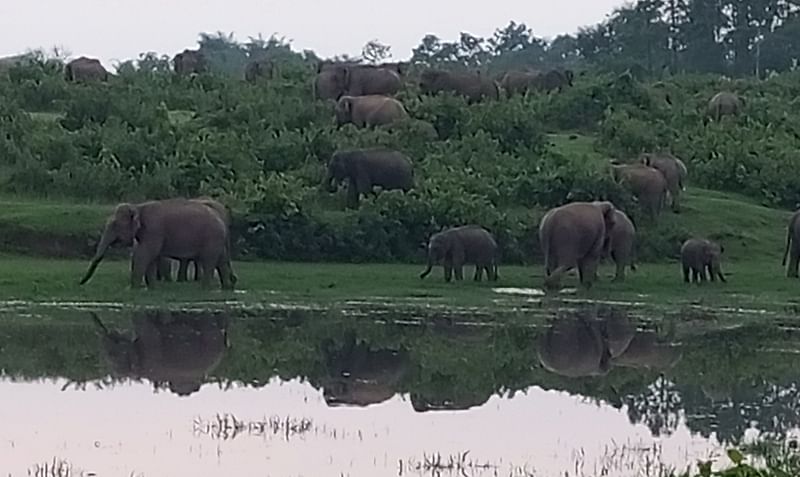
[367, 168]
[176, 350]
[674, 171]
[519, 82]
[722, 104]
[336, 80]
[165, 268]
[358, 375]
[792, 249]
[256, 70]
[699, 256]
[646, 183]
[369, 111]
[555, 79]
[457, 246]
[473, 86]
[620, 244]
[174, 228]
[573, 235]
[85, 69]
[190, 62]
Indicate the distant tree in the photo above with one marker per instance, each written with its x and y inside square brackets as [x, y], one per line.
[375, 52]
[223, 53]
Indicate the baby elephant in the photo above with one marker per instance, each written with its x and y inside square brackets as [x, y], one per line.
[459, 245]
[699, 256]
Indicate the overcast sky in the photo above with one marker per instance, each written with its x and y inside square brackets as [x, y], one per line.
[121, 29]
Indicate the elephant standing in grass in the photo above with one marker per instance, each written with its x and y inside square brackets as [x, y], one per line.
[172, 228]
[674, 171]
[366, 168]
[473, 86]
[176, 350]
[519, 82]
[792, 245]
[646, 183]
[259, 69]
[556, 79]
[369, 111]
[335, 80]
[457, 246]
[573, 235]
[85, 69]
[620, 244]
[699, 256]
[724, 104]
[190, 62]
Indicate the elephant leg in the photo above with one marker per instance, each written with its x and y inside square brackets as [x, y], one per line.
[150, 275]
[794, 261]
[141, 260]
[459, 271]
[207, 266]
[352, 195]
[164, 269]
[478, 272]
[448, 271]
[711, 274]
[183, 270]
[620, 275]
[686, 274]
[225, 274]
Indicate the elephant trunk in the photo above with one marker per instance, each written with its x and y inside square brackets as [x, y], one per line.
[430, 265]
[107, 239]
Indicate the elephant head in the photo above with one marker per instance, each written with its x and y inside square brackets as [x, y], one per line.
[344, 110]
[332, 81]
[338, 170]
[441, 245]
[173, 350]
[121, 227]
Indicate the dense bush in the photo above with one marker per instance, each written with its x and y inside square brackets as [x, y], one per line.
[263, 149]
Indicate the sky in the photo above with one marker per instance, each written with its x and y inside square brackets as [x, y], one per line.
[114, 30]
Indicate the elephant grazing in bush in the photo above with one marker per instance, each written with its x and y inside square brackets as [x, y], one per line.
[335, 80]
[473, 86]
[646, 183]
[699, 256]
[792, 245]
[259, 69]
[724, 104]
[674, 171]
[190, 62]
[85, 69]
[555, 79]
[366, 168]
[573, 235]
[369, 111]
[519, 82]
[173, 228]
[457, 246]
[176, 349]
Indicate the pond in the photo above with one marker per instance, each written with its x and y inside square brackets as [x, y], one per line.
[372, 390]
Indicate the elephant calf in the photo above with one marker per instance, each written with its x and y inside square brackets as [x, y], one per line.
[459, 245]
[646, 183]
[369, 111]
[699, 256]
[366, 168]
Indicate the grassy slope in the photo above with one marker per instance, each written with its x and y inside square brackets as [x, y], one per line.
[753, 236]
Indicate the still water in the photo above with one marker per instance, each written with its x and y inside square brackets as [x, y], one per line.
[575, 391]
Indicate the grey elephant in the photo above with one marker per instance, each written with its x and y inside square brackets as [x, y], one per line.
[699, 256]
[85, 69]
[457, 246]
[792, 249]
[164, 271]
[596, 340]
[369, 111]
[358, 375]
[473, 86]
[519, 82]
[555, 79]
[190, 62]
[367, 168]
[674, 171]
[335, 80]
[646, 183]
[724, 104]
[173, 228]
[256, 70]
[620, 244]
[177, 350]
[573, 235]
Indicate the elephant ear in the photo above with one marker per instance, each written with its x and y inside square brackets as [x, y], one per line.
[129, 216]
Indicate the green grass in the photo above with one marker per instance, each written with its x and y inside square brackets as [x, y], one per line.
[57, 217]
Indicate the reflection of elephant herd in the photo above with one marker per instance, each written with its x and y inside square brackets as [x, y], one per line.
[179, 351]
[573, 236]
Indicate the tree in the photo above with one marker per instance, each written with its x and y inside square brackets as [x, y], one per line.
[376, 52]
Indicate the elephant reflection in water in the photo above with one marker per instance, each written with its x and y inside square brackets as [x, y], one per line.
[427, 402]
[171, 349]
[594, 341]
[358, 375]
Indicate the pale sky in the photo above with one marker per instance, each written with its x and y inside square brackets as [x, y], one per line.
[114, 30]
